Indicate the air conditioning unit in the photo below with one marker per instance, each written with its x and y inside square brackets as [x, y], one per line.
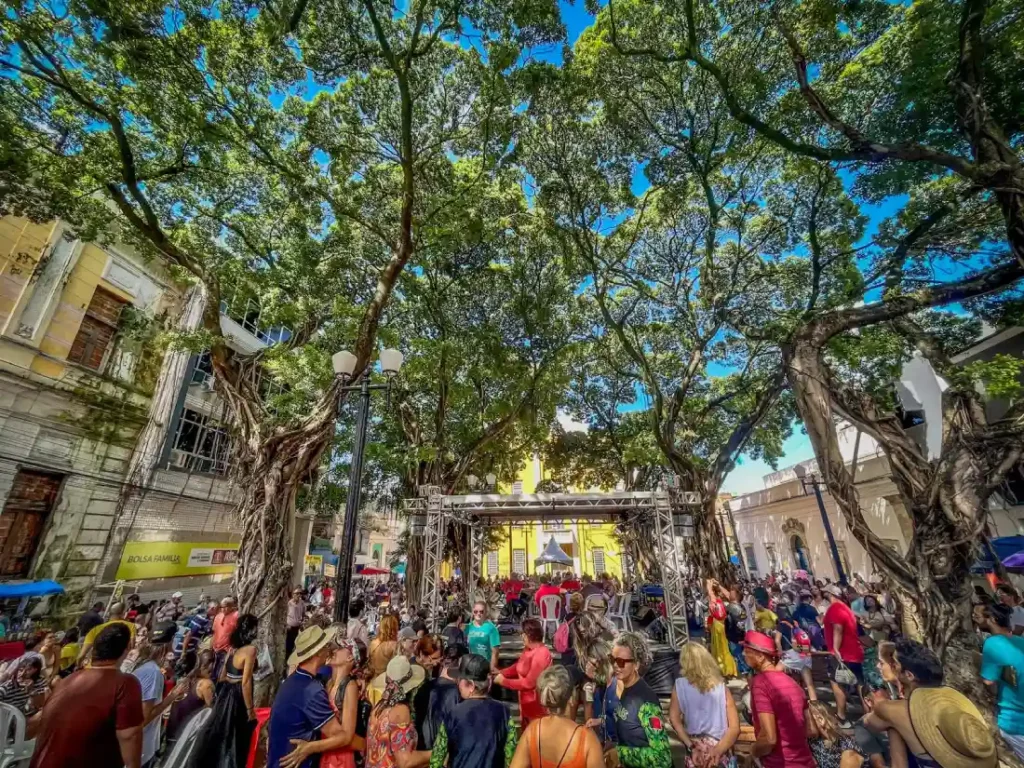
[207, 385]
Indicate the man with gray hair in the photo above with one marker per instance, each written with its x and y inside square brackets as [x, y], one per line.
[480, 732]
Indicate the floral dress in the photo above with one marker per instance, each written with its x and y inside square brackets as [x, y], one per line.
[385, 739]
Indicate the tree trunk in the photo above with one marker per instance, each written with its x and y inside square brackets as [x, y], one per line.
[266, 513]
[705, 552]
[414, 569]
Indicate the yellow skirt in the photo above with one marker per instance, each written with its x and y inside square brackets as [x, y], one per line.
[720, 649]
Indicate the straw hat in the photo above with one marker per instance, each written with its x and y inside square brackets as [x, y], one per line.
[951, 728]
[309, 641]
[401, 670]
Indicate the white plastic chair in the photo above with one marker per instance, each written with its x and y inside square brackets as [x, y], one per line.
[550, 612]
[16, 753]
[619, 613]
[179, 756]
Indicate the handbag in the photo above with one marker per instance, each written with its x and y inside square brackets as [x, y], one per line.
[844, 676]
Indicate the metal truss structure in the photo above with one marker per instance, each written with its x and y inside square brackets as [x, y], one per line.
[660, 517]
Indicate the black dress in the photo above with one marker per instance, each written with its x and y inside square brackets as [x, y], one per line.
[224, 740]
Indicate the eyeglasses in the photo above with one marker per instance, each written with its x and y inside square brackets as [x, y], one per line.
[621, 663]
[478, 613]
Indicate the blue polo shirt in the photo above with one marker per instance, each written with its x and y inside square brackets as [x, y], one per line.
[300, 710]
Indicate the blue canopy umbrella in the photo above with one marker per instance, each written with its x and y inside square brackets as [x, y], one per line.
[17, 590]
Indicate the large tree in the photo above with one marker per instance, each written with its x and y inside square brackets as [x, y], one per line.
[943, 127]
[295, 155]
[662, 272]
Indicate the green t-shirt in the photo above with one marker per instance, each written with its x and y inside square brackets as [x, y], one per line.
[482, 639]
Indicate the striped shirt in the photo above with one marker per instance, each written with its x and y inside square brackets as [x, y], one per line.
[17, 695]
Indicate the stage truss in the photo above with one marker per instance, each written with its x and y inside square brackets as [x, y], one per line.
[660, 517]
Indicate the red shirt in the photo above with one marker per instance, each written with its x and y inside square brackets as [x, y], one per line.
[778, 694]
[223, 625]
[79, 724]
[522, 676]
[839, 613]
[544, 591]
[512, 589]
[571, 585]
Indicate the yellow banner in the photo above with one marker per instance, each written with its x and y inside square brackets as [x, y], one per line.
[314, 563]
[161, 559]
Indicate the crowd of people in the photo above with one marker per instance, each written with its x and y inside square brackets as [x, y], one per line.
[777, 670]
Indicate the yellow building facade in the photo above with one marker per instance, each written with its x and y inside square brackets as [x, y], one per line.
[79, 384]
[593, 547]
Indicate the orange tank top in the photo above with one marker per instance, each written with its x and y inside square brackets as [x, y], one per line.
[572, 757]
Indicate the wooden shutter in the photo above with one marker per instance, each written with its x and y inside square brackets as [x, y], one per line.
[97, 330]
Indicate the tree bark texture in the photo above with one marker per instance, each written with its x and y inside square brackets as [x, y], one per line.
[946, 498]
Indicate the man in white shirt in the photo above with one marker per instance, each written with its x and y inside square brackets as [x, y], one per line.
[356, 626]
[1008, 596]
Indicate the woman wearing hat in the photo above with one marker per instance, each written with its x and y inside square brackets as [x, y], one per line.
[339, 750]
[391, 736]
[935, 726]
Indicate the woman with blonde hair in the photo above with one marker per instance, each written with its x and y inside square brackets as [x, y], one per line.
[555, 740]
[702, 711]
[831, 748]
[384, 646]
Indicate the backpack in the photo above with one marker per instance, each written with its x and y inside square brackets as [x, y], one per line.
[562, 637]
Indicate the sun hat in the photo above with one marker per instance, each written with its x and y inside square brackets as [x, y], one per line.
[760, 642]
[472, 667]
[832, 589]
[403, 672]
[177, 594]
[309, 641]
[951, 728]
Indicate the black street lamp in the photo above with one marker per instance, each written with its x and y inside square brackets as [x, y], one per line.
[344, 366]
[801, 473]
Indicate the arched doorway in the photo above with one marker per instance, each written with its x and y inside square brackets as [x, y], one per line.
[801, 555]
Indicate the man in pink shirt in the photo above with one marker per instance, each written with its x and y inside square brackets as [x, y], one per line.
[842, 641]
[224, 624]
[778, 708]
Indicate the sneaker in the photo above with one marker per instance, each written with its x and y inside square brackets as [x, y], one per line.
[845, 725]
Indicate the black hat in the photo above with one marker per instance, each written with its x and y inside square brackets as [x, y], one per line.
[163, 632]
[473, 667]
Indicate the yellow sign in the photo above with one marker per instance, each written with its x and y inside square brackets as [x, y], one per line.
[314, 563]
[161, 559]
[330, 570]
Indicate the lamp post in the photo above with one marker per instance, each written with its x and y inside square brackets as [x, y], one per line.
[344, 367]
[801, 473]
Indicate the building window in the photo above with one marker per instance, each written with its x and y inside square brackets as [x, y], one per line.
[773, 559]
[200, 445]
[203, 372]
[555, 526]
[97, 331]
[519, 560]
[598, 554]
[748, 555]
[28, 505]
[492, 563]
[517, 487]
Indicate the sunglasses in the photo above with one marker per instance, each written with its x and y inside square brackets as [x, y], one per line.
[621, 663]
[478, 613]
